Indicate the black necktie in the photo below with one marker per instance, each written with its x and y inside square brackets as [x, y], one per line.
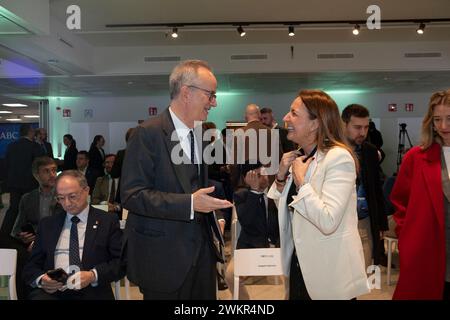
[191, 137]
[292, 192]
[74, 247]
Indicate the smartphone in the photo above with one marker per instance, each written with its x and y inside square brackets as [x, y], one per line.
[59, 275]
[28, 228]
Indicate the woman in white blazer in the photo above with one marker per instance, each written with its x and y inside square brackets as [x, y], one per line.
[321, 249]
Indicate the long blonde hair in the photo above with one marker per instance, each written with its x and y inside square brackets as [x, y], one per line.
[330, 133]
[428, 134]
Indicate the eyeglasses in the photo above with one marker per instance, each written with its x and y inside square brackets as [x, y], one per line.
[72, 197]
[211, 94]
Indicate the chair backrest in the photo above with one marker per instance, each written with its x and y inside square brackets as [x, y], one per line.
[255, 262]
[235, 229]
[258, 262]
[103, 207]
[8, 263]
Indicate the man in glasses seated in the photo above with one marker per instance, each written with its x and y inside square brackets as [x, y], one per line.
[77, 251]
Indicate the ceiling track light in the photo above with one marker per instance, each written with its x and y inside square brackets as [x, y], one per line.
[241, 31]
[174, 33]
[356, 29]
[421, 28]
[291, 31]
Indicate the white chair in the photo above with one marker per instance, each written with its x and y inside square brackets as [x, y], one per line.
[235, 230]
[8, 263]
[390, 241]
[117, 294]
[256, 262]
[252, 262]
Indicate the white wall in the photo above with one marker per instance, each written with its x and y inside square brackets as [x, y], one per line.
[112, 116]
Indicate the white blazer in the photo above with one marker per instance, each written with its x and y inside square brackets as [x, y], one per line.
[324, 228]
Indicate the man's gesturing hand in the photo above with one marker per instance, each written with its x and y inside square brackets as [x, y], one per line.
[205, 203]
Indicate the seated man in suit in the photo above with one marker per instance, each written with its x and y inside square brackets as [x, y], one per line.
[80, 238]
[33, 206]
[37, 204]
[257, 215]
[90, 173]
[105, 190]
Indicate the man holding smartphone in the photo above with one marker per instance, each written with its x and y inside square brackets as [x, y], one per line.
[33, 206]
[38, 203]
[82, 241]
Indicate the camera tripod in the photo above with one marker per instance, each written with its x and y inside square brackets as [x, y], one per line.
[402, 134]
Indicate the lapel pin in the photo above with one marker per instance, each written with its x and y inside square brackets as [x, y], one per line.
[95, 225]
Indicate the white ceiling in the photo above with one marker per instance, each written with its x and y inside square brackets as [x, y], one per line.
[96, 14]
[99, 13]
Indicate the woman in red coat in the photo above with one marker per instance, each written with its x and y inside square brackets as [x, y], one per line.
[421, 196]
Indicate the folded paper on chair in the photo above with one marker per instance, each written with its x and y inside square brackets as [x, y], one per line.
[257, 262]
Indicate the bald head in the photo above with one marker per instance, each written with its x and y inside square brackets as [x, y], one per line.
[252, 113]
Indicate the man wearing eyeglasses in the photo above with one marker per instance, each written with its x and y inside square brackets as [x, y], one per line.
[33, 206]
[81, 240]
[169, 234]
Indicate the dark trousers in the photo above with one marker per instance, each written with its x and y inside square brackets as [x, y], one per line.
[88, 293]
[446, 295]
[200, 283]
[297, 287]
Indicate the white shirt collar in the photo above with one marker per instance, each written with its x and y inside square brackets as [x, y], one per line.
[83, 215]
[181, 128]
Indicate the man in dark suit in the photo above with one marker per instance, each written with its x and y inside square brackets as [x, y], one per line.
[39, 203]
[33, 206]
[257, 215]
[83, 241]
[371, 206]
[105, 190]
[19, 157]
[268, 120]
[256, 135]
[90, 173]
[41, 140]
[169, 243]
[116, 170]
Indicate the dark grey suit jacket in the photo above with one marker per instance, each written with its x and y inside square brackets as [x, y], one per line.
[161, 241]
[19, 157]
[29, 211]
[101, 250]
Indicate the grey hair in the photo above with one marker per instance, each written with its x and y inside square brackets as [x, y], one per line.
[74, 174]
[185, 73]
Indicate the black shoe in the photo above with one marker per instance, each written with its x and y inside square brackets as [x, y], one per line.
[221, 284]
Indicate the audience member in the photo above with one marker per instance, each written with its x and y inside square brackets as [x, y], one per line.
[372, 219]
[96, 153]
[81, 239]
[268, 120]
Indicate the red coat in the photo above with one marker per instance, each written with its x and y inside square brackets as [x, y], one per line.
[419, 201]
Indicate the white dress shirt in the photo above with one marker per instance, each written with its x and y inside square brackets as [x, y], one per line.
[182, 131]
[62, 246]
